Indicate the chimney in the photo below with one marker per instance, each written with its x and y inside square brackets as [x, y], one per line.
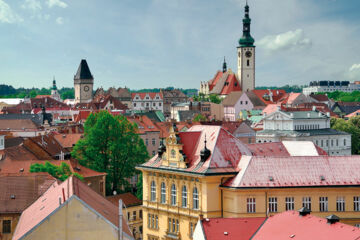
[332, 219]
[120, 219]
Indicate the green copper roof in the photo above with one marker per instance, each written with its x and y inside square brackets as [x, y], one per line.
[246, 40]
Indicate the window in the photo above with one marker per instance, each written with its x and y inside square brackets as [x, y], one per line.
[149, 220]
[241, 102]
[192, 227]
[146, 142]
[173, 225]
[251, 203]
[340, 204]
[140, 214]
[153, 153]
[323, 204]
[101, 186]
[248, 62]
[357, 203]
[272, 204]
[153, 141]
[163, 193]
[152, 221]
[344, 142]
[154, 104]
[153, 191]
[289, 203]
[337, 142]
[156, 222]
[173, 195]
[147, 104]
[128, 216]
[140, 229]
[173, 153]
[6, 227]
[195, 198]
[184, 197]
[134, 215]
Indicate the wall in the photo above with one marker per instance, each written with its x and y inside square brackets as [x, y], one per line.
[135, 222]
[74, 221]
[14, 220]
[95, 182]
[235, 201]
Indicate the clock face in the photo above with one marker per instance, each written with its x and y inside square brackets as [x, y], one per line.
[248, 54]
[86, 88]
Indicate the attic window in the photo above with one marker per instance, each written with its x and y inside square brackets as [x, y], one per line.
[271, 179]
[322, 178]
[12, 196]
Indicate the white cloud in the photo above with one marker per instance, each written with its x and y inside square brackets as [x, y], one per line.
[288, 40]
[33, 5]
[7, 15]
[354, 72]
[56, 3]
[59, 20]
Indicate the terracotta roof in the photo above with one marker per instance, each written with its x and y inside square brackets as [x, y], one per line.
[231, 228]
[142, 95]
[232, 98]
[18, 124]
[226, 150]
[42, 96]
[68, 140]
[297, 171]
[46, 102]
[224, 83]
[291, 98]
[84, 171]
[320, 97]
[278, 95]
[19, 191]
[49, 202]
[129, 199]
[289, 225]
[144, 124]
[49, 144]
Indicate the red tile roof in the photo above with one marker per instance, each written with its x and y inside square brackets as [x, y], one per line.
[232, 84]
[297, 171]
[49, 202]
[224, 83]
[226, 150]
[142, 95]
[278, 95]
[84, 171]
[231, 228]
[289, 225]
[19, 191]
[129, 199]
[320, 97]
[68, 140]
[144, 124]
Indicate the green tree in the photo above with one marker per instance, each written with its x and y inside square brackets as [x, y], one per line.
[214, 98]
[111, 144]
[351, 126]
[199, 118]
[61, 172]
[139, 186]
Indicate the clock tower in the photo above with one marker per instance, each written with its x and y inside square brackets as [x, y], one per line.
[246, 55]
[83, 83]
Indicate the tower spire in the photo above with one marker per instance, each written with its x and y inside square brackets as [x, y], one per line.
[246, 40]
[54, 84]
[224, 66]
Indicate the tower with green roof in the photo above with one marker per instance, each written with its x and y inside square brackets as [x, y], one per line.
[54, 91]
[246, 55]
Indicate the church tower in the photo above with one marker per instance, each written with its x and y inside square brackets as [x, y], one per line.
[83, 83]
[54, 92]
[246, 55]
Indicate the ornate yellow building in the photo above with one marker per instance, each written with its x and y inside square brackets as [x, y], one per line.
[207, 171]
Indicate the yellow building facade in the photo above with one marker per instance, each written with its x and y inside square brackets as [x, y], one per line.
[176, 194]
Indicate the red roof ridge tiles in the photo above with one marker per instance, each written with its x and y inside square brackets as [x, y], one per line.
[129, 199]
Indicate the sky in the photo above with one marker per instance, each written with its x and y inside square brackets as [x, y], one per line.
[161, 43]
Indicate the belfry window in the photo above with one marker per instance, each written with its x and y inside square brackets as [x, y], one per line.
[248, 63]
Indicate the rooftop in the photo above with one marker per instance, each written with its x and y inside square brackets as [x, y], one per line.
[128, 199]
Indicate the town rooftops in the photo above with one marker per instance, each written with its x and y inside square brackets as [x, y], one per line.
[230, 228]
[232, 98]
[143, 95]
[68, 140]
[128, 199]
[310, 171]
[48, 203]
[291, 225]
[224, 83]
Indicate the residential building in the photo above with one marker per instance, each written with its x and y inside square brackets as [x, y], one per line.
[72, 210]
[21, 125]
[121, 94]
[132, 209]
[304, 126]
[68, 141]
[18, 191]
[83, 83]
[102, 102]
[54, 92]
[212, 111]
[331, 86]
[296, 99]
[150, 101]
[266, 185]
[271, 96]
[236, 102]
[190, 109]
[344, 108]
[170, 97]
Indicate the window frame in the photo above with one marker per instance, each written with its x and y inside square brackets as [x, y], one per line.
[153, 191]
[173, 195]
[273, 204]
[196, 202]
[323, 204]
[251, 205]
[163, 193]
[289, 203]
[340, 204]
[306, 202]
[184, 196]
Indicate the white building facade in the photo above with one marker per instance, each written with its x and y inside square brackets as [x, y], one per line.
[331, 86]
[151, 101]
[305, 126]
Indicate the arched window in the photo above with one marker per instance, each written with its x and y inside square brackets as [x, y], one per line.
[173, 195]
[163, 192]
[195, 198]
[153, 191]
[184, 197]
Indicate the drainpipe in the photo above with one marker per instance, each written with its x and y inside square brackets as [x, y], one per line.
[120, 235]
